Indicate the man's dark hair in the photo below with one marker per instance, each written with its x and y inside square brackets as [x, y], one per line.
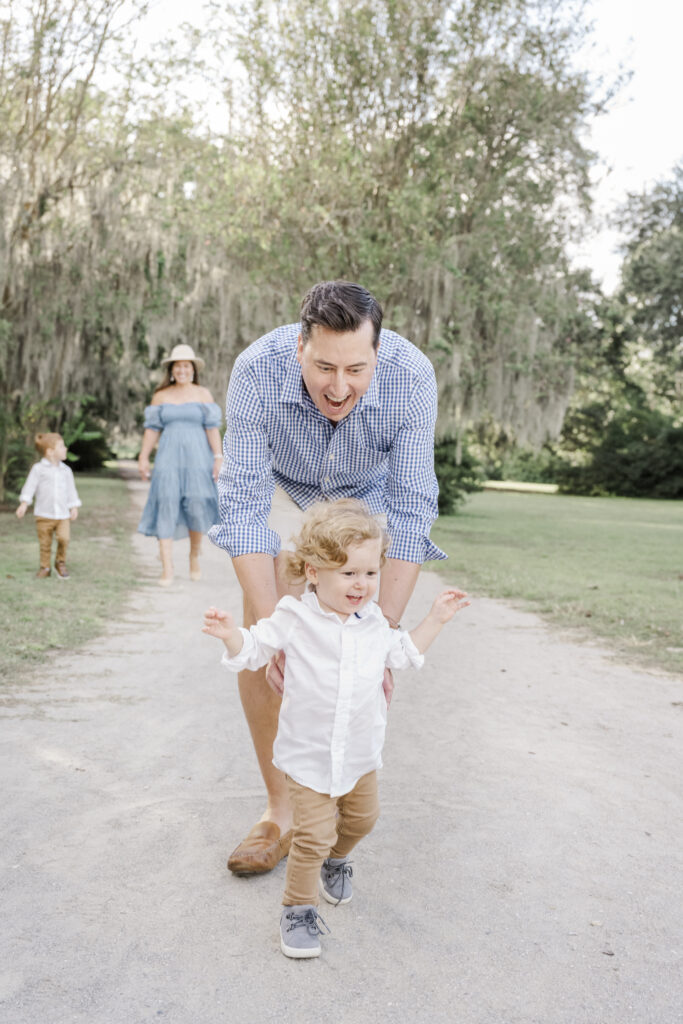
[340, 306]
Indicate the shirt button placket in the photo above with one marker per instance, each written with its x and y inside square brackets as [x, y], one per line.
[340, 728]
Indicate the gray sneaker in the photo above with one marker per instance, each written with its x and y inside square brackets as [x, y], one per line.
[335, 880]
[299, 931]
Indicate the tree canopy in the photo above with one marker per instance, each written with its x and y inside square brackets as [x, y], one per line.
[431, 150]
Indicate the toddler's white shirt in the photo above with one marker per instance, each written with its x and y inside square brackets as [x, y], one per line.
[54, 490]
[334, 712]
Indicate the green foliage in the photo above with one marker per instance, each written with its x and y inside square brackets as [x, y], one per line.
[652, 279]
[525, 465]
[458, 472]
[428, 150]
[632, 451]
[84, 435]
[432, 150]
[75, 417]
[20, 420]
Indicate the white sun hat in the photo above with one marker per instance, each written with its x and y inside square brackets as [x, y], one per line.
[181, 352]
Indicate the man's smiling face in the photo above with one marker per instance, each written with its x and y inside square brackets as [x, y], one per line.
[337, 367]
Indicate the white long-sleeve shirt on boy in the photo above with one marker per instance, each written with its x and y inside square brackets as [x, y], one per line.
[334, 712]
[54, 489]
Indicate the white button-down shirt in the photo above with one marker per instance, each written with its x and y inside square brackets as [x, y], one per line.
[334, 713]
[54, 490]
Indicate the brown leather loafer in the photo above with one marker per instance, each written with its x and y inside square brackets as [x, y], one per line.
[262, 849]
[61, 570]
[43, 573]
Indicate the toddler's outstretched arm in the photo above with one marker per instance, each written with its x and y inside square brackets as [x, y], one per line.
[442, 611]
[222, 625]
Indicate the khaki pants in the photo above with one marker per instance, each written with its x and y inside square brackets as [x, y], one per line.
[46, 528]
[325, 826]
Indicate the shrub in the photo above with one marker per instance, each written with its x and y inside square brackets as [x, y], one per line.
[634, 451]
[457, 477]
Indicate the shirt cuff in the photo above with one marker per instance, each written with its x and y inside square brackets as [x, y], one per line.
[239, 661]
[418, 549]
[245, 540]
[416, 659]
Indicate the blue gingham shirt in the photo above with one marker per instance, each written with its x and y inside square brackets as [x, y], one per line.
[382, 452]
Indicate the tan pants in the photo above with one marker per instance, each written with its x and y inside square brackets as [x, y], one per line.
[46, 528]
[325, 826]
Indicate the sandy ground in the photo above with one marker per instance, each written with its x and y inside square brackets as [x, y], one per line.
[526, 869]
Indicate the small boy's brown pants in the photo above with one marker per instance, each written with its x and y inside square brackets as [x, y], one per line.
[325, 826]
[46, 528]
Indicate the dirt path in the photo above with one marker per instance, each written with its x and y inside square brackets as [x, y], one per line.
[526, 869]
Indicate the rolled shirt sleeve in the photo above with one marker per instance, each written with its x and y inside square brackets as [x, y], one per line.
[403, 653]
[412, 488]
[245, 483]
[263, 640]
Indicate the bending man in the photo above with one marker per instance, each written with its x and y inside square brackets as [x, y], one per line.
[328, 408]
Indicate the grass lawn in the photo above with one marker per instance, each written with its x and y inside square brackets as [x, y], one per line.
[609, 566]
[46, 615]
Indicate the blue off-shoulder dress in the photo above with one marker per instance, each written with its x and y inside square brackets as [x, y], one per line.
[182, 495]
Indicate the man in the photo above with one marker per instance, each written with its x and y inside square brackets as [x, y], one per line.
[331, 407]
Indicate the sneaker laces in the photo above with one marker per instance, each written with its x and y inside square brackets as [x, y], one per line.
[306, 919]
[335, 871]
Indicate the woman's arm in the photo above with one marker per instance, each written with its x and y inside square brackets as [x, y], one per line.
[214, 437]
[149, 440]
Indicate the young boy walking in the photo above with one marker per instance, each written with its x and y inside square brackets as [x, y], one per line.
[51, 482]
[333, 715]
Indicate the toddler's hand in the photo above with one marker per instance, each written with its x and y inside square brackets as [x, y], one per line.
[448, 603]
[218, 623]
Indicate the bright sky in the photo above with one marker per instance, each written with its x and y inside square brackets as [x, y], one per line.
[639, 141]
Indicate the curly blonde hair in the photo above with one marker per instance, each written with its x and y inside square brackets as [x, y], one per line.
[329, 529]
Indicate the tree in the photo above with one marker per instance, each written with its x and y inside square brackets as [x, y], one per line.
[652, 282]
[431, 150]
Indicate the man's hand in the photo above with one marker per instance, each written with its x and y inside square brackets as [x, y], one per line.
[388, 685]
[73, 513]
[21, 511]
[275, 673]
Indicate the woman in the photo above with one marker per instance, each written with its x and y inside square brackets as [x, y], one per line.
[184, 419]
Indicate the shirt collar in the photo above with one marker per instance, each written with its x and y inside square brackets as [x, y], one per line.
[371, 396]
[310, 599]
[293, 384]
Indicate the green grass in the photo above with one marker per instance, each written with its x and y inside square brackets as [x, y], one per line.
[51, 614]
[612, 567]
